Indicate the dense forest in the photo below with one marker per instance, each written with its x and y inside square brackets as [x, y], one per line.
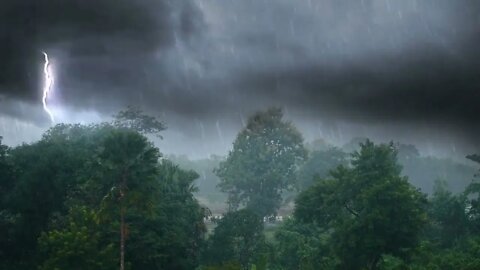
[103, 196]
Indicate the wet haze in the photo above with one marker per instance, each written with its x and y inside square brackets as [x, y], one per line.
[390, 70]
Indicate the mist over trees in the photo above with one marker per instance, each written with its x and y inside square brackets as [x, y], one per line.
[103, 196]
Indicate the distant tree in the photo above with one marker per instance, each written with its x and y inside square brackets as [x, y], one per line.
[475, 158]
[423, 171]
[238, 238]
[407, 152]
[447, 215]
[263, 162]
[369, 208]
[319, 164]
[207, 182]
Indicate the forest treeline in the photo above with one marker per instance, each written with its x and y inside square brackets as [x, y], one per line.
[103, 196]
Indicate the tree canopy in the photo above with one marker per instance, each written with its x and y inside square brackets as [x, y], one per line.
[263, 162]
[367, 209]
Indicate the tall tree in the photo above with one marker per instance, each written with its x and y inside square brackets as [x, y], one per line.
[263, 162]
[369, 208]
[125, 170]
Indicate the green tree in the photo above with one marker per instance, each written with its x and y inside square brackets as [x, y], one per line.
[44, 174]
[238, 238]
[302, 246]
[172, 237]
[447, 215]
[263, 162]
[80, 167]
[8, 219]
[79, 245]
[134, 119]
[369, 208]
[125, 170]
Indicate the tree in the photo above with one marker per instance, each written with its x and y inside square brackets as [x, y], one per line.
[319, 164]
[302, 246]
[423, 171]
[125, 170]
[170, 238]
[65, 195]
[44, 174]
[134, 119]
[262, 164]
[238, 238]
[8, 219]
[369, 208]
[79, 245]
[447, 215]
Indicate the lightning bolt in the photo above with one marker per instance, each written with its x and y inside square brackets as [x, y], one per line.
[47, 87]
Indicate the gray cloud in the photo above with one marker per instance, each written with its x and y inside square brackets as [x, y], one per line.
[101, 47]
[370, 62]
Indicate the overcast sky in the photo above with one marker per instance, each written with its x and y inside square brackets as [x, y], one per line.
[404, 70]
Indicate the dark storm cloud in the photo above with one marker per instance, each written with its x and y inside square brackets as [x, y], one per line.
[367, 61]
[411, 62]
[432, 85]
[101, 46]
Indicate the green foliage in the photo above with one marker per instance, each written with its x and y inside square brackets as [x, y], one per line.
[225, 266]
[172, 237]
[134, 119]
[302, 246]
[263, 162]
[238, 238]
[66, 199]
[464, 256]
[45, 173]
[369, 208]
[79, 245]
[448, 218]
[95, 171]
[123, 173]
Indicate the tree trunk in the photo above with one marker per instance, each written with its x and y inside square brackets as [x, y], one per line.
[122, 238]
